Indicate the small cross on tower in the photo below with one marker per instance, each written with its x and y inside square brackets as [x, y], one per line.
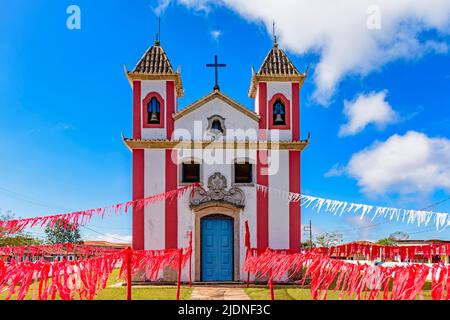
[216, 65]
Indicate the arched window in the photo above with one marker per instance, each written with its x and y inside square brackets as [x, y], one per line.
[216, 125]
[154, 111]
[279, 113]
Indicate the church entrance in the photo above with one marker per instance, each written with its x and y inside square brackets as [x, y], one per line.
[217, 238]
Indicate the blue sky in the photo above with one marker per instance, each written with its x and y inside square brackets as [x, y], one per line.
[65, 101]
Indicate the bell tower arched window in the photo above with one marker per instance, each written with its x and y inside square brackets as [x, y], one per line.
[279, 113]
[279, 110]
[153, 111]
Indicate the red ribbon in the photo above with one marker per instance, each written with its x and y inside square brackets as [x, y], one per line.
[354, 280]
[82, 217]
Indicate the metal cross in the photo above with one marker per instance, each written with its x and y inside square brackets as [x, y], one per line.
[216, 65]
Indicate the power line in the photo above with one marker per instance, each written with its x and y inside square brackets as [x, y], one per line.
[104, 234]
[19, 196]
[22, 197]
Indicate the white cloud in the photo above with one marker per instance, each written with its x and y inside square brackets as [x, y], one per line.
[161, 7]
[408, 164]
[338, 32]
[215, 34]
[335, 171]
[367, 109]
[362, 228]
[114, 238]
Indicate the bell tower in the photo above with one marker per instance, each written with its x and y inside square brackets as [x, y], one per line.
[156, 89]
[276, 90]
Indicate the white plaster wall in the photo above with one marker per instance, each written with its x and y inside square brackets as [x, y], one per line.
[155, 180]
[186, 217]
[154, 214]
[234, 119]
[257, 100]
[279, 87]
[185, 225]
[279, 207]
[148, 86]
[248, 214]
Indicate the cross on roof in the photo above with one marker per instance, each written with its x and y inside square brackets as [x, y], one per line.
[216, 65]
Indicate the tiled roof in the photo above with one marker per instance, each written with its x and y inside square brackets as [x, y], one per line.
[276, 67]
[277, 63]
[94, 243]
[154, 61]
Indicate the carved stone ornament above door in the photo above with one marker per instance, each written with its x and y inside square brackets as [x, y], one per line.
[217, 192]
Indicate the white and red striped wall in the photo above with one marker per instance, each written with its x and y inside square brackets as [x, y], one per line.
[273, 221]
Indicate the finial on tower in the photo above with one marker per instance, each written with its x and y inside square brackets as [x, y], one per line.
[275, 43]
[158, 34]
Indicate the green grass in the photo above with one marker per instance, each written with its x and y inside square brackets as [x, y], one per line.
[292, 293]
[147, 293]
[120, 293]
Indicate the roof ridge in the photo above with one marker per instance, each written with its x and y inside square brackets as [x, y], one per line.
[219, 94]
[277, 62]
[154, 61]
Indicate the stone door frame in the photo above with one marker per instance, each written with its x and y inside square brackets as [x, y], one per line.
[217, 208]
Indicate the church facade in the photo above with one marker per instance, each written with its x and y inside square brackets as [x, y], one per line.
[227, 148]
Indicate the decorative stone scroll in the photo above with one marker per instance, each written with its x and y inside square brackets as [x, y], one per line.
[217, 185]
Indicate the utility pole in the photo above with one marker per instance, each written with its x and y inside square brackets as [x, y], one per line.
[309, 228]
[310, 234]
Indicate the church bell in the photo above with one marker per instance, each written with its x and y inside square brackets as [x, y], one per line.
[154, 117]
[278, 119]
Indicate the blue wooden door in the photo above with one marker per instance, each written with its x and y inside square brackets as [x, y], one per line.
[217, 249]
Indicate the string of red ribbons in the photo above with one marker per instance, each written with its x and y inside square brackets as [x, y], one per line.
[84, 277]
[82, 217]
[359, 281]
[374, 251]
[362, 281]
[35, 252]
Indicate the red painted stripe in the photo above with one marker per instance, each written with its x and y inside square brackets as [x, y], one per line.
[294, 207]
[170, 97]
[262, 91]
[171, 205]
[137, 110]
[262, 202]
[295, 112]
[138, 193]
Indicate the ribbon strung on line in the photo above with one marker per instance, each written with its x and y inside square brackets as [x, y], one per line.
[82, 278]
[373, 251]
[66, 279]
[352, 280]
[82, 217]
[360, 281]
[151, 262]
[35, 252]
[338, 207]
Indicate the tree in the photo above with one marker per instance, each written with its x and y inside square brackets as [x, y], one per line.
[329, 239]
[58, 233]
[17, 239]
[308, 244]
[387, 242]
